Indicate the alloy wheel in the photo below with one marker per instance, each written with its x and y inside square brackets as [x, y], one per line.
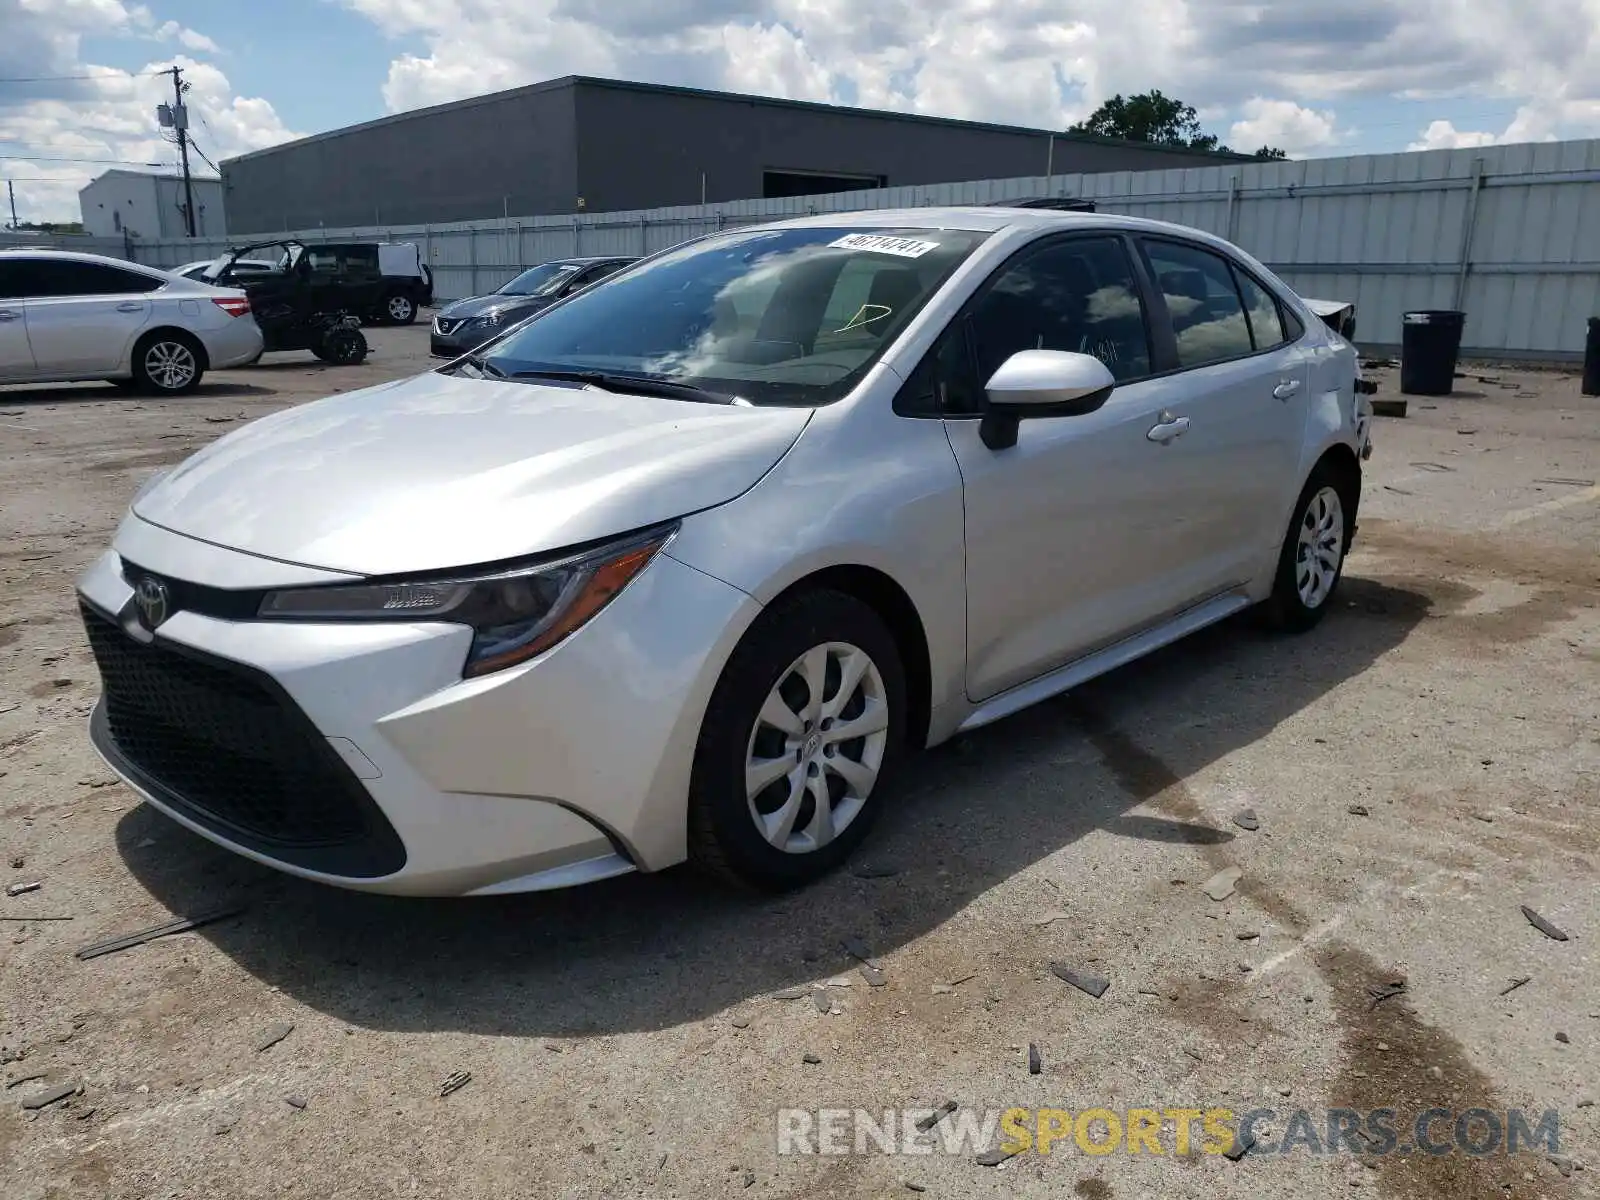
[170, 365]
[400, 308]
[1320, 547]
[817, 747]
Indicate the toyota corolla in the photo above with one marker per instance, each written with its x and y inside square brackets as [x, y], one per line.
[684, 567]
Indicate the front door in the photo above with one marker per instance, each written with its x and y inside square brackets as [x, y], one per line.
[16, 359]
[1070, 534]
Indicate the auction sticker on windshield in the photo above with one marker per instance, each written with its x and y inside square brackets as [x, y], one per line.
[884, 244]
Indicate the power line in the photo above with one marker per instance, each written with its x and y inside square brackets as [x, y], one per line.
[123, 162]
[65, 78]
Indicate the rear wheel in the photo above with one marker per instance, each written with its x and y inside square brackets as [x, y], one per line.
[1311, 562]
[343, 347]
[167, 363]
[400, 309]
[803, 730]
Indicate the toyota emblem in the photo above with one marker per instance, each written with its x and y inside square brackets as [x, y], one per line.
[153, 601]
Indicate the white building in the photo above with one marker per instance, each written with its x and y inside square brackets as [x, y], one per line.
[150, 205]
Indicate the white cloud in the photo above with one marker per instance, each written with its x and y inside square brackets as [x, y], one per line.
[1442, 135]
[1284, 124]
[111, 114]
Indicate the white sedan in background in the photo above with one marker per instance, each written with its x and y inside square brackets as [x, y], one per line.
[200, 269]
[66, 317]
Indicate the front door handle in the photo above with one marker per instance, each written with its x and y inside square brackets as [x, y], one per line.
[1286, 388]
[1168, 428]
[130, 306]
[7, 314]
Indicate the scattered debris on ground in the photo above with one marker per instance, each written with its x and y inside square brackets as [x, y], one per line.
[1515, 983]
[1246, 819]
[940, 1110]
[1386, 992]
[1221, 885]
[1035, 1060]
[49, 1096]
[1543, 926]
[1084, 981]
[274, 1034]
[454, 1082]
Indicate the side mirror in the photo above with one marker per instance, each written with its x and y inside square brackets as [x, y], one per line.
[1041, 383]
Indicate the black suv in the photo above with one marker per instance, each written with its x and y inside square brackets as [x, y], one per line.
[467, 324]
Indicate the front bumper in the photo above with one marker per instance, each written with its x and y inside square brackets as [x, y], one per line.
[459, 340]
[572, 767]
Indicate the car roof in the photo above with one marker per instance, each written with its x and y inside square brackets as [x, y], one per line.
[985, 219]
[49, 253]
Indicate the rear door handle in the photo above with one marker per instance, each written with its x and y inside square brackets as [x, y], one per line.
[1170, 427]
[1286, 388]
[130, 306]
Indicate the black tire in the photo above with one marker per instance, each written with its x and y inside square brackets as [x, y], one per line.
[343, 347]
[398, 309]
[1290, 608]
[723, 837]
[168, 362]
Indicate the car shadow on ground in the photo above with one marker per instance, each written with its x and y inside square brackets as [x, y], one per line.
[649, 952]
[40, 395]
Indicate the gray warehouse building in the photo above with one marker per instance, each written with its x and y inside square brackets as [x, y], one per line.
[600, 145]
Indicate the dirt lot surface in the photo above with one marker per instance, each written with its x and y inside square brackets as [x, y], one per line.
[1420, 766]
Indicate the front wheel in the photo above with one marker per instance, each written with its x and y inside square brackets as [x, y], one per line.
[1311, 562]
[802, 732]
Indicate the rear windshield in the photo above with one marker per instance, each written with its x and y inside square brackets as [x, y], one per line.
[774, 316]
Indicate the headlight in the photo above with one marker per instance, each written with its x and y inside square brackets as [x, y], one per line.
[514, 615]
[488, 320]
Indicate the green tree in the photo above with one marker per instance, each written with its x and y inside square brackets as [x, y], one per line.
[1157, 118]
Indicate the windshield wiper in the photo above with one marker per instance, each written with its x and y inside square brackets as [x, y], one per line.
[638, 385]
[483, 366]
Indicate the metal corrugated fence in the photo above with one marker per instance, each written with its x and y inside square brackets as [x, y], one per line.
[1511, 234]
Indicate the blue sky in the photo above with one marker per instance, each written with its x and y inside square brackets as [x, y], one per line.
[1317, 79]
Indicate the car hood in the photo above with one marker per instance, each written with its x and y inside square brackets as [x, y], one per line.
[482, 306]
[442, 471]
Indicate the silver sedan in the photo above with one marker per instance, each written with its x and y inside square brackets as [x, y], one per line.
[684, 567]
[66, 316]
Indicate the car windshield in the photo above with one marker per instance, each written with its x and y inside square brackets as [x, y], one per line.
[543, 280]
[771, 316]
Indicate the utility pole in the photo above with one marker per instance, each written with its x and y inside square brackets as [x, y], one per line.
[11, 194]
[176, 118]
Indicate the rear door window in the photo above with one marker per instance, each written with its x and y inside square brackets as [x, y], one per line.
[1266, 322]
[1208, 317]
[68, 277]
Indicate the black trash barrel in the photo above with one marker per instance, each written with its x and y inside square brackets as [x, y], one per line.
[1591, 359]
[1429, 344]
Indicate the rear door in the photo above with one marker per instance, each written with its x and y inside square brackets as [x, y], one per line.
[16, 359]
[85, 315]
[1240, 386]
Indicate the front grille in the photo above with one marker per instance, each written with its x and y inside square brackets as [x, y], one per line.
[224, 745]
[447, 324]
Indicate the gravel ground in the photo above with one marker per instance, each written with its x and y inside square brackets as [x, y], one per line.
[1422, 765]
